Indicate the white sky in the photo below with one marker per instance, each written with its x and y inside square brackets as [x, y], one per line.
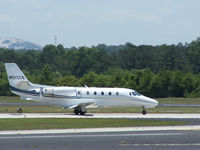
[91, 22]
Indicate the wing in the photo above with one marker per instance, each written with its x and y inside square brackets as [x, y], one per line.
[85, 105]
[26, 98]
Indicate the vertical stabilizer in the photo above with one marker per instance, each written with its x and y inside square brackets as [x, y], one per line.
[16, 77]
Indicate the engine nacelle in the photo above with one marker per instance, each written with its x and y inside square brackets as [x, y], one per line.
[59, 91]
[48, 92]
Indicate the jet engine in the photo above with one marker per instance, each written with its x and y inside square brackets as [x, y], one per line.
[59, 91]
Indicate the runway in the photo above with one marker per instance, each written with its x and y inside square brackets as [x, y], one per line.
[140, 138]
[101, 115]
[143, 140]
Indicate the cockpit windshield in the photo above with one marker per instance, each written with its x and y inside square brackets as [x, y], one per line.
[135, 93]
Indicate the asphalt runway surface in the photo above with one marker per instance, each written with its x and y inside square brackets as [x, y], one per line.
[143, 140]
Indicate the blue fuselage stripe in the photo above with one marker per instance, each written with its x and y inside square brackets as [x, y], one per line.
[33, 93]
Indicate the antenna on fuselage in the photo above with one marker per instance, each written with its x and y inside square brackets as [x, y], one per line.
[86, 86]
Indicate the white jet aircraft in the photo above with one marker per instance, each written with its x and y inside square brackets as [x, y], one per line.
[77, 98]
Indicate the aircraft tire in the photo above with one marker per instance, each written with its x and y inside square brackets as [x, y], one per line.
[76, 111]
[144, 112]
[82, 113]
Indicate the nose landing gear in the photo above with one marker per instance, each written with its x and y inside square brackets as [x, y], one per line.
[144, 112]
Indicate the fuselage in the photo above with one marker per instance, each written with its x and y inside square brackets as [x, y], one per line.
[70, 96]
[77, 98]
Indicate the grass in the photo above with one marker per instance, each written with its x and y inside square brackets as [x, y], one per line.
[12, 99]
[149, 110]
[34, 109]
[179, 100]
[174, 110]
[66, 123]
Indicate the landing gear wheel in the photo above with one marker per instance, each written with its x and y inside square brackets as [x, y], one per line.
[82, 113]
[144, 112]
[76, 111]
[19, 110]
[80, 110]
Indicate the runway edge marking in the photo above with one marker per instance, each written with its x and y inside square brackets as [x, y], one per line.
[101, 115]
[93, 130]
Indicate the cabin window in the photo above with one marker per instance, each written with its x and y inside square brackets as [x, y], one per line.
[95, 93]
[133, 93]
[136, 93]
[102, 93]
[117, 93]
[110, 93]
[87, 93]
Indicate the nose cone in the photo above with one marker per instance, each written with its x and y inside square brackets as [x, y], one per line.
[150, 102]
[154, 102]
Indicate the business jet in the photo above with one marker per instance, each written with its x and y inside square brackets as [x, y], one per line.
[77, 98]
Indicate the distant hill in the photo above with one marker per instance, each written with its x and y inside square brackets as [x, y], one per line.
[17, 44]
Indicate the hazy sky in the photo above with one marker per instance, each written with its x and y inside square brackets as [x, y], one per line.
[91, 22]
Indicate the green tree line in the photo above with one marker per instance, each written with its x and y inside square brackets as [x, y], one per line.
[155, 71]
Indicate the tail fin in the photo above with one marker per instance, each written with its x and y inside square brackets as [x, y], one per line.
[16, 77]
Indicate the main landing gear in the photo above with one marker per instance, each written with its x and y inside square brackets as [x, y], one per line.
[144, 112]
[80, 110]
